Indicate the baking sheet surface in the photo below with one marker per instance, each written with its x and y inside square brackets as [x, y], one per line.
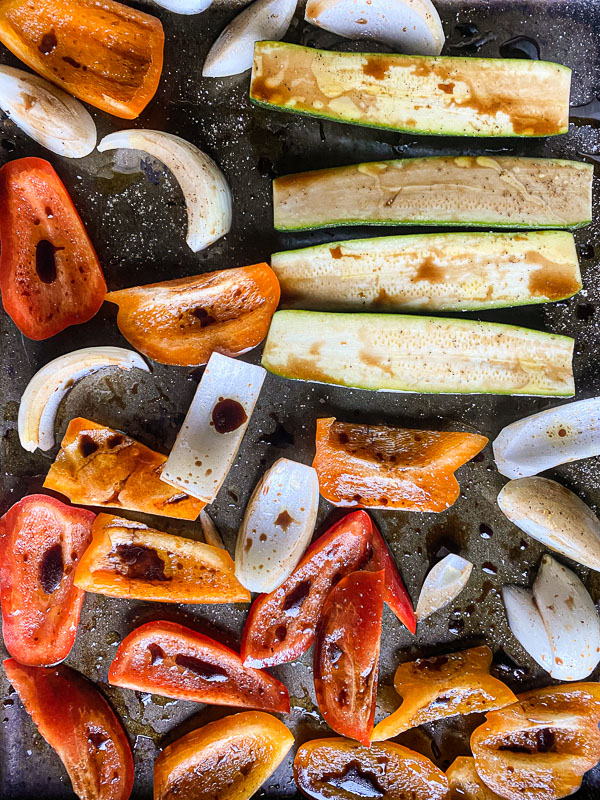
[135, 216]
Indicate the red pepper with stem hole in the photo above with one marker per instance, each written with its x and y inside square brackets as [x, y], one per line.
[41, 541]
[50, 276]
[76, 720]
[281, 625]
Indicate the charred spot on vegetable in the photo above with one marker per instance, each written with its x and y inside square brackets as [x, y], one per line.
[139, 562]
[51, 569]
[45, 261]
[356, 781]
[542, 740]
[204, 669]
[87, 446]
[205, 318]
[295, 599]
[433, 664]
[228, 415]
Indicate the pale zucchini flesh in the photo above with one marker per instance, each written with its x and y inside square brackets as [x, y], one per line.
[415, 94]
[473, 191]
[405, 353]
[431, 272]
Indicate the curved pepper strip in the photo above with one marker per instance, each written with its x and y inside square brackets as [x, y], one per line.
[395, 594]
[129, 559]
[76, 720]
[41, 540]
[341, 768]
[50, 276]
[281, 625]
[375, 466]
[105, 53]
[97, 466]
[228, 759]
[182, 322]
[465, 783]
[444, 686]
[168, 659]
[541, 746]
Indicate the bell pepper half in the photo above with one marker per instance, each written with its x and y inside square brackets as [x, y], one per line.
[76, 720]
[105, 53]
[41, 541]
[375, 466]
[97, 466]
[168, 659]
[444, 686]
[541, 746]
[50, 276]
[395, 595]
[281, 625]
[346, 656]
[228, 759]
[184, 321]
[129, 559]
[341, 768]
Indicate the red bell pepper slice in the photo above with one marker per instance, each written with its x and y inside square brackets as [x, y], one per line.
[346, 659]
[50, 276]
[281, 625]
[76, 720]
[168, 659]
[395, 596]
[41, 541]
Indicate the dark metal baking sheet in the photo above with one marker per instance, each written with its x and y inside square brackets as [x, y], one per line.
[136, 219]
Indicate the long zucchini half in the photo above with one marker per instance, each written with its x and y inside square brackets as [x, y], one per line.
[404, 353]
[430, 272]
[414, 94]
[503, 191]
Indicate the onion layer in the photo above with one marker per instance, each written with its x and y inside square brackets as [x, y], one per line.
[443, 583]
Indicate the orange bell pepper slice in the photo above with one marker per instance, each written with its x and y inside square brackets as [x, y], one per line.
[379, 467]
[540, 747]
[182, 322]
[97, 466]
[105, 53]
[465, 783]
[228, 759]
[341, 768]
[129, 559]
[444, 686]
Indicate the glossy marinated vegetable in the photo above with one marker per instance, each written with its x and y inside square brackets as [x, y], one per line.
[394, 593]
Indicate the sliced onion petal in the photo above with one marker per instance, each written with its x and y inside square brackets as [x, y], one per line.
[527, 625]
[412, 27]
[443, 583]
[202, 456]
[570, 619]
[210, 532]
[45, 391]
[233, 52]
[50, 116]
[555, 436]
[185, 6]
[554, 516]
[277, 526]
[205, 189]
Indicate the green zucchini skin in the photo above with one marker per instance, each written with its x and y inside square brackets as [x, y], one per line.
[445, 191]
[428, 355]
[430, 272]
[426, 95]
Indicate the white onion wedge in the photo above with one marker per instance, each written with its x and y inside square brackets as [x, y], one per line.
[566, 433]
[50, 116]
[554, 516]
[214, 427]
[209, 531]
[233, 52]
[277, 526]
[205, 189]
[570, 619]
[527, 625]
[185, 6]
[443, 583]
[45, 391]
[412, 27]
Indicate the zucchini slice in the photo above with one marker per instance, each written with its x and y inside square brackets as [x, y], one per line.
[414, 94]
[430, 271]
[403, 353]
[504, 191]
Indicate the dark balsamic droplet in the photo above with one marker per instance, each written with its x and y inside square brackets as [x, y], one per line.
[293, 602]
[228, 415]
[584, 311]
[45, 260]
[87, 446]
[485, 531]
[520, 47]
[204, 669]
[52, 569]
[8, 145]
[48, 43]
[466, 29]
[140, 562]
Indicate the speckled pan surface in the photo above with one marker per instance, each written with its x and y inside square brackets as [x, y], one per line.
[136, 219]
